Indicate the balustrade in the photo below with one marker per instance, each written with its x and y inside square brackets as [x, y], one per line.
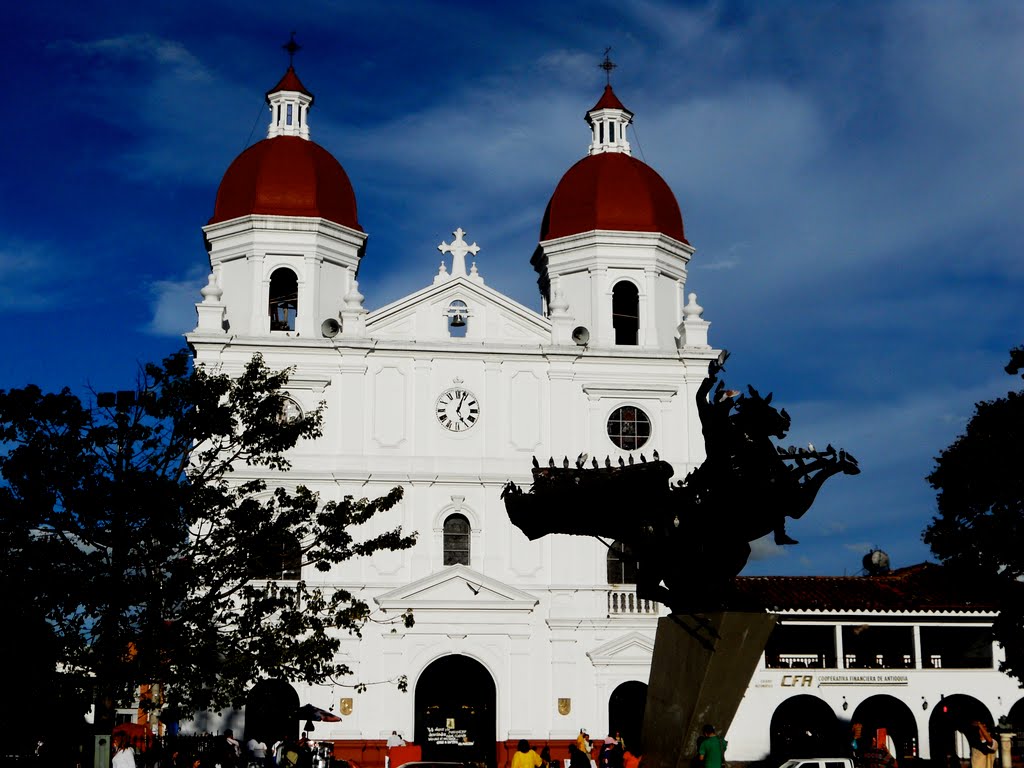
[622, 602]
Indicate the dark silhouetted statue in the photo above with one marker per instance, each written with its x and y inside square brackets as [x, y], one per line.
[690, 539]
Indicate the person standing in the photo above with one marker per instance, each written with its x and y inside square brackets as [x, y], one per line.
[124, 755]
[581, 743]
[257, 751]
[577, 758]
[983, 746]
[877, 756]
[525, 757]
[394, 740]
[611, 753]
[712, 748]
[277, 752]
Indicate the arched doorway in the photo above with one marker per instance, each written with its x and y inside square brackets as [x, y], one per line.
[626, 713]
[805, 726]
[1016, 715]
[888, 712]
[949, 726]
[456, 712]
[271, 712]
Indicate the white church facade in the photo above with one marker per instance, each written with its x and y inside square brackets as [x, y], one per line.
[450, 392]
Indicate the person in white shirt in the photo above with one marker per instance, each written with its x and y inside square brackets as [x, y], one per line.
[124, 755]
[394, 740]
[258, 750]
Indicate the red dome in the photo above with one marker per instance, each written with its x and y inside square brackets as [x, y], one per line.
[612, 190]
[286, 176]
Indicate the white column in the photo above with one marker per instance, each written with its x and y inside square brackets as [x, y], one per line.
[523, 716]
[648, 311]
[259, 321]
[561, 436]
[600, 307]
[308, 310]
[496, 422]
[351, 404]
[424, 416]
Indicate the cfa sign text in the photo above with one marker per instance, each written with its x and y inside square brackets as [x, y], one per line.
[797, 681]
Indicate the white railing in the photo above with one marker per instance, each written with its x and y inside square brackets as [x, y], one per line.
[624, 602]
[811, 660]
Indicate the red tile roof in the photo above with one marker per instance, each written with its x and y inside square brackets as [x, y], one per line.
[290, 82]
[609, 100]
[922, 587]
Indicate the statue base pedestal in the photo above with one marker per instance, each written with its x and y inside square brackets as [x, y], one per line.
[701, 668]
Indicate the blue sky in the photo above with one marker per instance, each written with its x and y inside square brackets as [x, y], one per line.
[851, 175]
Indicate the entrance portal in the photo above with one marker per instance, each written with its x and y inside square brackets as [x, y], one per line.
[949, 726]
[455, 712]
[804, 726]
[271, 712]
[626, 713]
[888, 712]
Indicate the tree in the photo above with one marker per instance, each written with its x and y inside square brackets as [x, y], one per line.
[979, 530]
[143, 545]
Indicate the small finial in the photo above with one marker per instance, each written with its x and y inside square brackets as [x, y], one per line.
[608, 65]
[354, 298]
[292, 47]
[692, 308]
[211, 292]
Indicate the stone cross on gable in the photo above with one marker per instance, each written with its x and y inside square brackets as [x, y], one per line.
[458, 249]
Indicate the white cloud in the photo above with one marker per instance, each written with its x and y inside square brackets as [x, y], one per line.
[168, 100]
[143, 48]
[765, 548]
[173, 309]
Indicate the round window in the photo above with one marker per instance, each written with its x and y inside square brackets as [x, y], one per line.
[629, 428]
[289, 411]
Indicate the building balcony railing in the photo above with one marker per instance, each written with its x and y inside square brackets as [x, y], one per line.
[623, 601]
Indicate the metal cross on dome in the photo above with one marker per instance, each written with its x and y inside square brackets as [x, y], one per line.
[458, 249]
[608, 65]
[292, 48]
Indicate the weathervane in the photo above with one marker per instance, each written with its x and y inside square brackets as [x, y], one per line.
[608, 65]
[292, 47]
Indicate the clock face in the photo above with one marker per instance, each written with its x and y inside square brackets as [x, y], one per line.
[457, 409]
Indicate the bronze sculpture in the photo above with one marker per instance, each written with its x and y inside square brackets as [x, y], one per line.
[692, 538]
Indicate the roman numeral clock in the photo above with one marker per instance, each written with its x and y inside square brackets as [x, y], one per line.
[457, 409]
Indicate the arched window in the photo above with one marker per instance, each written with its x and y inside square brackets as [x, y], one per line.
[456, 540]
[284, 299]
[621, 564]
[625, 312]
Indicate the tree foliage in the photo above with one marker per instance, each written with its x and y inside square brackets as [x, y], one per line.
[145, 546]
[979, 529]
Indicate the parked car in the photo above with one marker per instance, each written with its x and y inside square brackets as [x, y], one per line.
[819, 762]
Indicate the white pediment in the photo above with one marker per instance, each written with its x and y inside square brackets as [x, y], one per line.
[457, 588]
[631, 648]
[493, 317]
